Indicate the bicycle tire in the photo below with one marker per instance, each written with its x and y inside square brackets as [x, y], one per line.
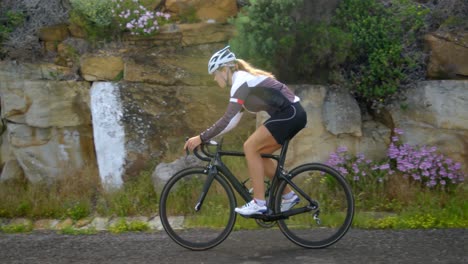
[194, 230]
[330, 189]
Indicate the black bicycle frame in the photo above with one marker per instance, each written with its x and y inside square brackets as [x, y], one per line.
[216, 165]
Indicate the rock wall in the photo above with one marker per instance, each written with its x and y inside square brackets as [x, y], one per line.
[48, 128]
[138, 99]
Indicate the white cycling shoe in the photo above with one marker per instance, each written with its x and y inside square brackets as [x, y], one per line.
[251, 208]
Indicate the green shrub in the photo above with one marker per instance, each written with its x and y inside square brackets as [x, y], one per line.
[123, 226]
[94, 17]
[97, 12]
[266, 33]
[377, 65]
[78, 210]
[136, 197]
[17, 228]
[320, 50]
[69, 230]
[8, 22]
[369, 46]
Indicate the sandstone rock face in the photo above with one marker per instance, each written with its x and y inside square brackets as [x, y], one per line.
[165, 66]
[217, 10]
[11, 171]
[448, 55]
[101, 68]
[45, 104]
[164, 171]
[48, 128]
[435, 114]
[341, 113]
[54, 33]
[315, 142]
[11, 71]
[52, 127]
[203, 33]
[155, 120]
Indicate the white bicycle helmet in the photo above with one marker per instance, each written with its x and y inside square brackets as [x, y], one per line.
[220, 58]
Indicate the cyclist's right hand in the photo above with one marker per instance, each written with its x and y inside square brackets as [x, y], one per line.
[192, 143]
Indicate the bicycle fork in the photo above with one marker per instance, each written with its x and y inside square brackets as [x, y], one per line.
[212, 171]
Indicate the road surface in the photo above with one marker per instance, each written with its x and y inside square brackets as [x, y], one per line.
[247, 247]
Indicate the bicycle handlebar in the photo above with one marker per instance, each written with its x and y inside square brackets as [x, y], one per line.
[203, 149]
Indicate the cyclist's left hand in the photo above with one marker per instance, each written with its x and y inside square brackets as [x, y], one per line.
[192, 143]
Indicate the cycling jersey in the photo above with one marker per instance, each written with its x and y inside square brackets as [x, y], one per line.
[254, 94]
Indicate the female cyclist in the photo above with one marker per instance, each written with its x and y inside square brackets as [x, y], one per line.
[255, 90]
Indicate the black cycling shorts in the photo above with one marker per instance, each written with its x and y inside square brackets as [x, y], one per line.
[285, 124]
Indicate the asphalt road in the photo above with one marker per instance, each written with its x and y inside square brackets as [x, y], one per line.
[248, 247]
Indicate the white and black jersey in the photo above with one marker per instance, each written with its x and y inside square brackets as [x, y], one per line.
[254, 94]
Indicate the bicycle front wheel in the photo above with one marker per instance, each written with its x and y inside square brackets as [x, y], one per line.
[192, 229]
[333, 207]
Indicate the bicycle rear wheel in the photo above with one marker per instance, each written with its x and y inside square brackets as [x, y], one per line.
[203, 229]
[329, 222]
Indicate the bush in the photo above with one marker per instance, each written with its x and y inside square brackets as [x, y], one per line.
[97, 12]
[377, 65]
[94, 17]
[266, 34]
[370, 47]
[122, 226]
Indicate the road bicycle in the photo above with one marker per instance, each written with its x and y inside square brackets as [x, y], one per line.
[197, 204]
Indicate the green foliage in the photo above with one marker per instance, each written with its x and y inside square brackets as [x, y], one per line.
[78, 210]
[8, 22]
[365, 40]
[93, 32]
[17, 228]
[94, 17]
[266, 32]
[97, 12]
[136, 197]
[69, 230]
[376, 64]
[123, 226]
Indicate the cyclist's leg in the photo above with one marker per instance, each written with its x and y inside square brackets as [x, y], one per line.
[260, 140]
[270, 166]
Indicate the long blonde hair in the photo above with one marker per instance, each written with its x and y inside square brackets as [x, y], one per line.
[245, 66]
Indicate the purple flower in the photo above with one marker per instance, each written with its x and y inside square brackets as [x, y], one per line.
[384, 166]
[343, 170]
[342, 149]
[398, 131]
[355, 168]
